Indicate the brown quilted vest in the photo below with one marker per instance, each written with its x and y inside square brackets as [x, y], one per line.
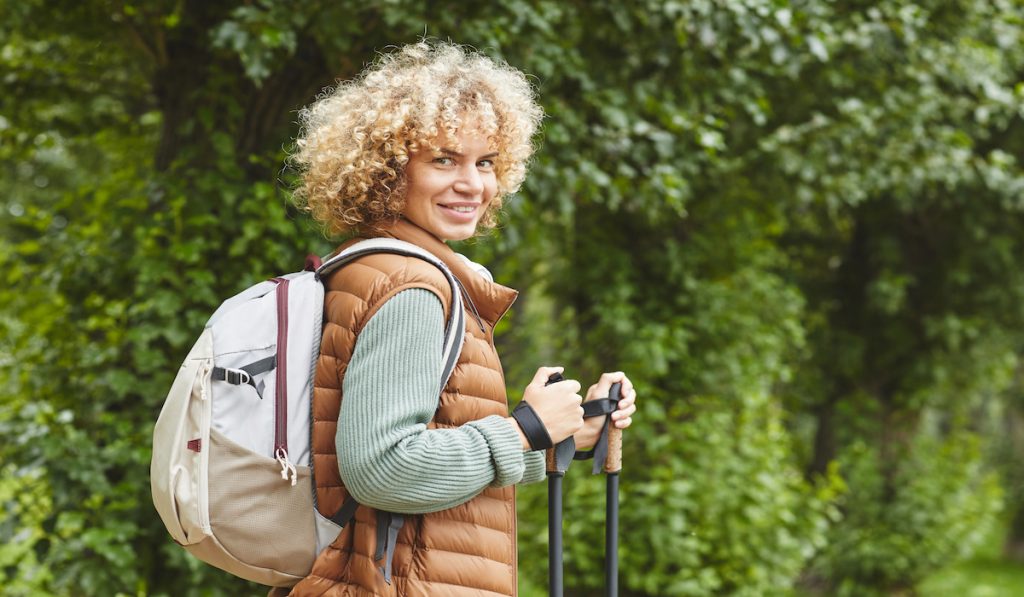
[466, 550]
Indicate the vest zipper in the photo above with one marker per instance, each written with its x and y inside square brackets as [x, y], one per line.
[515, 545]
[499, 317]
[472, 306]
[515, 514]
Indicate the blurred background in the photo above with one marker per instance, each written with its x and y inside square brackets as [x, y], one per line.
[797, 225]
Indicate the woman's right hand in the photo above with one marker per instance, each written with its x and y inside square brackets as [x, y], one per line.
[558, 405]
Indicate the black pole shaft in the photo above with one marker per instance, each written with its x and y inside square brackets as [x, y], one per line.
[611, 536]
[555, 534]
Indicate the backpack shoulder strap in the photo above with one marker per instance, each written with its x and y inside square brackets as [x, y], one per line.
[456, 324]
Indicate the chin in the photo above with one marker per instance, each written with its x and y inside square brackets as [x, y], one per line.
[461, 235]
[457, 233]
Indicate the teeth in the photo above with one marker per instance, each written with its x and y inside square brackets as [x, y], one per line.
[463, 210]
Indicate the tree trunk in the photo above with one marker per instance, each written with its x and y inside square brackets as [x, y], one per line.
[270, 105]
[824, 439]
[184, 63]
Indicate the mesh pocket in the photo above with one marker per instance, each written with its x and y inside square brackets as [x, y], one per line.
[259, 518]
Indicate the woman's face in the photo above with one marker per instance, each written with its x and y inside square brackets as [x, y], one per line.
[448, 190]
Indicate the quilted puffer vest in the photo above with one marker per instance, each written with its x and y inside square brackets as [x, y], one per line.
[468, 550]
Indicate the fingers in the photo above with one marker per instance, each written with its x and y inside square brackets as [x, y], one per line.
[558, 405]
[628, 400]
[567, 385]
[541, 376]
[608, 379]
[622, 417]
[604, 385]
[628, 387]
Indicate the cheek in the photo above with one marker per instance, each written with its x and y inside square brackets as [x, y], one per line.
[491, 186]
[416, 190]
[416, 197]
[426, 185]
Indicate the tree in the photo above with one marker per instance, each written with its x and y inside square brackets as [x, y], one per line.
[794, 225]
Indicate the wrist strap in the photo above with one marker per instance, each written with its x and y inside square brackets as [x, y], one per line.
[533, 428]
[598, 408]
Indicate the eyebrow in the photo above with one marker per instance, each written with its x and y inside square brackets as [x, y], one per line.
[452, 152]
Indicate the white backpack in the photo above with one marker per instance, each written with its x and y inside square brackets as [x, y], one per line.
[231, 473]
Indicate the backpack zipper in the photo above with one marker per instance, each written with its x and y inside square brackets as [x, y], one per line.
[281, 389]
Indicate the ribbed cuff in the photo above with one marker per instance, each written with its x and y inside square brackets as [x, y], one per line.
[506, 449]
[534, 467]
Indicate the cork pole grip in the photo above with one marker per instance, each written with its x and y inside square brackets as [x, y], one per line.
[550, 455]
[613, 461]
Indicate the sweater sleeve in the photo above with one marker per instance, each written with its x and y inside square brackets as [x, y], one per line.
[388, 458]
[535, 467]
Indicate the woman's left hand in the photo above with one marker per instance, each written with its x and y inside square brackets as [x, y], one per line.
[623, 417]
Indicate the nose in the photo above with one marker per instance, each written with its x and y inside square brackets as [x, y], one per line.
[469, 182]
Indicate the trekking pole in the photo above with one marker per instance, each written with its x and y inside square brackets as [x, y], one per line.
[558, 459]
[612, 466]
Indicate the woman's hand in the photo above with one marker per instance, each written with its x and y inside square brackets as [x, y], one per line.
[587, 436]
[557, 405]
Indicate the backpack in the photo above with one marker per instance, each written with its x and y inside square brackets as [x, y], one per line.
[231, 472]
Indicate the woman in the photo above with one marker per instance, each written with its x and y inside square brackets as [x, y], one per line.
[422, 147]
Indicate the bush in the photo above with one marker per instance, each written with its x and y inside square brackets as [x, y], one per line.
[711, 504]
[938, 507]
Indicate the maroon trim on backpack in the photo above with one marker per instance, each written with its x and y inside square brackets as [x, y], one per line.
[313, 262]
[281, 391]
[196, 445]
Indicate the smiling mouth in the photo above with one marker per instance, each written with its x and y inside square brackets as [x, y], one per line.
[462, 209]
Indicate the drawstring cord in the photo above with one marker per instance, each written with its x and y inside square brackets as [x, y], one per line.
[287, 468]
[204, 382]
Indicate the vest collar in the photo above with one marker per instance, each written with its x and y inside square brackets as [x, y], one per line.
[491, 299]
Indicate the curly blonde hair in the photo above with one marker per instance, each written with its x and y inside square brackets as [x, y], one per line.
[355, 140]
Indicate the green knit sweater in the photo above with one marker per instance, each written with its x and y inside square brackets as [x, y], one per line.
[388, 458]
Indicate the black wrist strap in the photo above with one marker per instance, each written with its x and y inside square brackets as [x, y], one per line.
[533, 428]
[602, 407]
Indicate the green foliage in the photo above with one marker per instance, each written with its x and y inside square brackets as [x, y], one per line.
[939, 507]
[748, 207]
[985, 573]
[711, 505]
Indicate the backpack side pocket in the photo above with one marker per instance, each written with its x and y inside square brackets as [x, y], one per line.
[180, 448]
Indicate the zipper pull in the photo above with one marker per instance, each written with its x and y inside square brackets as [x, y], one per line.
[204, 381]
[287, 468]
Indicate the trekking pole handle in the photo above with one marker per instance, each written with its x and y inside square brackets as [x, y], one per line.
[559, 457]
[613, 461]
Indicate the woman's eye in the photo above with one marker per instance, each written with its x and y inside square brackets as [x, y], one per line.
[444, 161]
[485, 164]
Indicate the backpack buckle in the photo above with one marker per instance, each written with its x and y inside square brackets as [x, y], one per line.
[237, 376]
